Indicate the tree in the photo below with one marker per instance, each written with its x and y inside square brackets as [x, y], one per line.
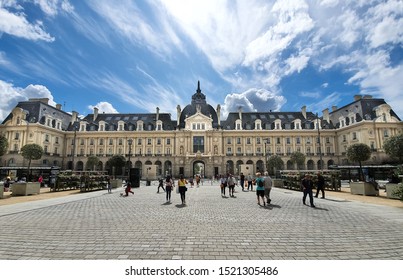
[31, 152]
[358, 153]
[275, 163]
[393, 146]
[3, 145]
[116, 162]
[92, 162]
[298, 158]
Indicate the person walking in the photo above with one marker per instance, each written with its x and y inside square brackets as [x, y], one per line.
[268, 183]
[250, 182]
[231, 185]
[182, 188]
[160, 185]
[242, 181]
[260, 189]
[169, 184]
[128, 189]
[109, 185]
[223, 185]
[307, 185]
[320, 185]
[40, 180]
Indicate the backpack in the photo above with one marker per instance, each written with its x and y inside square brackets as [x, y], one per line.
[260, 183]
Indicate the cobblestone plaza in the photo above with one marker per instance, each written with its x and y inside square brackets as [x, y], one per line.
[98, 225]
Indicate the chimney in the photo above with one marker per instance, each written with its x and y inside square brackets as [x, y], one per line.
[326, 115]
[95, 113]
[58, 106]
[367, 97]
[303, 111]
[219, 114]
[178, 115]
[158, 114]
[240, 112]
[357, 97]
[74, 117]
[334, 108]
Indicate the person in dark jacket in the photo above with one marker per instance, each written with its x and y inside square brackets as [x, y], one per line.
[307, 186]
[320, 185]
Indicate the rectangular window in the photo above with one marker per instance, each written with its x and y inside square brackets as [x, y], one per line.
[168, 141]
[198, 144]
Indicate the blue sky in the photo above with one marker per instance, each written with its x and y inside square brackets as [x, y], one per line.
[132, 56]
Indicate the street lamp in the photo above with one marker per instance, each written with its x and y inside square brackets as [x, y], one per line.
[265, 167]
[74, 147]
[320, 148]
[130, 142]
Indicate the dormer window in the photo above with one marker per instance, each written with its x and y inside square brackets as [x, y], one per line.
[277, 124]
[238, 125]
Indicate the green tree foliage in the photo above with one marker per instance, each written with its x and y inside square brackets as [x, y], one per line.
[275, 163]
[31, 152]
[393, 146]
[3, 145]
[358, 153]
[298, 158]
[117, 162]
[92, 162]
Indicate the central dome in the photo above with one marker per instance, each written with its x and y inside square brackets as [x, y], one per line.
[198, 100]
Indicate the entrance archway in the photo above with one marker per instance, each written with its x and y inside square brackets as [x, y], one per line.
[199, 168]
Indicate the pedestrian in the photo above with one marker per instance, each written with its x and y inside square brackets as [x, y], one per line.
[268, 183]
[307, 185]
[160, 184]
[320, 185]
[231, 185]
[260, 188]
[223, 184]
[109, 185]
[242, 181]
[182, 188]
[40, 180]
[197, 180]
[250, 182]
[128, 189]
[7, 184]
[191, 182]
[169, 184]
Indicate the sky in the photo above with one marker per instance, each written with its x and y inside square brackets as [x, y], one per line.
[133, 56]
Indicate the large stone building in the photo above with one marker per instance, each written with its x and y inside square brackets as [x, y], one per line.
[198, 141]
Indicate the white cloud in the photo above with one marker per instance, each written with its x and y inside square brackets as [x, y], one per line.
[312, 94]
[253, 100]
[18, 25]
[103, 107]
[11, 95]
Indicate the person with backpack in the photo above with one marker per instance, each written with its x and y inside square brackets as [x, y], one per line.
[260, 188]
[169, 184]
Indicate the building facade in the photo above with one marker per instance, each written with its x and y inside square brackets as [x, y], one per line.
[198, 141]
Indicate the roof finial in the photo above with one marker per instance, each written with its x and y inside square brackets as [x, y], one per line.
[198, 86]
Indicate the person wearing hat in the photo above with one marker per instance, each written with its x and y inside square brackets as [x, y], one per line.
[307, 186]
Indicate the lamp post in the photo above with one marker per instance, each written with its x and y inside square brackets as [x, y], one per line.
[265, 167]
[130, 142]
[74, 147]
[320, 148]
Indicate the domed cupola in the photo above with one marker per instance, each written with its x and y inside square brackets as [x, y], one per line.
[200, 105]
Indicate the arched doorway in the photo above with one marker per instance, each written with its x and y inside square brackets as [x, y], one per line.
[199, 168]
[311, 165]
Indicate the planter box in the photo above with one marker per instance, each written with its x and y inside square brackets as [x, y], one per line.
[363, 188]
[279, 183]
[390, 188]
[26, 188]
[116, 183]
